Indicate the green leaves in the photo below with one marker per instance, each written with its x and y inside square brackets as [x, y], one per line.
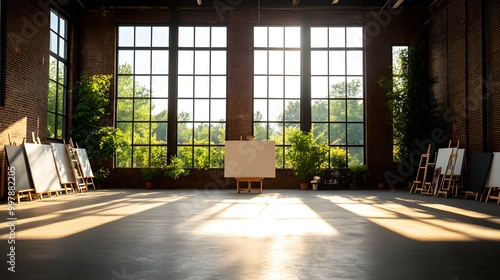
[306, 156]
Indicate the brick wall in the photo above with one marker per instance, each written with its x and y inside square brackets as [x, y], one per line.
[456, 42]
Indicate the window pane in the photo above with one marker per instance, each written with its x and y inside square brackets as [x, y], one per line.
[337, 134]
[355, 134]
[141, 133]
[354, 37]
[202, 38]
[186, 86]
[125, 36]
[275, 110]
[354, 62]
[202, 62]
[260, 86]
[184, 136]
[186, 60]
[260, 109]
[355, 110]
[336, 37]
[356, 156]
[62, 27]
[53, 42]
[61, 73]
[142, 62]
[186, 36]
[355, 87]
[125, 62]
[337, 63]
[62, 48]
[276, 37]
[54, 19]
[275, 86]
[125, 86]
[160, 62]
[337, 111]
[124, 110]
[319, 111]
[159, 108]
[60, 125]
[319, 37]
[219, 37]
[201, 108]
[60, 99]
[159, 86]
[292, 37]
[319, 62]
[218, 63]
[337, 87]
[159, 133]
[319, 87]
[260, 62]
[218, 110]
[141, 156]
[292, 112]
[276, 62]
[52, 68]
[260, 37]
[185, 108]
[202, 86]
[143, 36]
[218, 87]
[142, 110]
[292, 62]
[142, 86]
[292, 86]
[160, 36]
[51, 97]
[321, 132]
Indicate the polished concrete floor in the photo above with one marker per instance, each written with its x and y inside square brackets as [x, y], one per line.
[280, 234]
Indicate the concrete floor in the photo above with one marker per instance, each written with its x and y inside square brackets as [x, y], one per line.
[280, 234]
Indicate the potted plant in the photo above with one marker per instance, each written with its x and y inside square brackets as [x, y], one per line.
[306, 157]
[175, 168]
[149, 175]
[358, 174]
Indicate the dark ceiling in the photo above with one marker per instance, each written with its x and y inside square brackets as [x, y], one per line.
[245, 4]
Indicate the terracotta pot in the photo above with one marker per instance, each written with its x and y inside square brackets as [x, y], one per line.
[149, 185]
[304, 186]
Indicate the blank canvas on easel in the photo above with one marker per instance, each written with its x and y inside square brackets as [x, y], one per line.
[42, 167]
[16, 157]
[478, 170]
[493, 179]
[443, 157]
[63, 163]
[84, 163]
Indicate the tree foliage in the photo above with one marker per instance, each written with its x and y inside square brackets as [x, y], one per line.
[412, 107]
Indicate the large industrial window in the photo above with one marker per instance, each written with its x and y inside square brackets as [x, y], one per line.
[142, 92]
[58, 61]
[201, 121]
[277, 83]
[337, 92]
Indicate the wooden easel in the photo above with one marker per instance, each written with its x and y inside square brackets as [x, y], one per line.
[80, 185]
[420, 184]
[249, 184]
[247, 179]
[448, 182]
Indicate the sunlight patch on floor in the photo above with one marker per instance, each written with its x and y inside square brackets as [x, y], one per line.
[416, 223]
[260, 217]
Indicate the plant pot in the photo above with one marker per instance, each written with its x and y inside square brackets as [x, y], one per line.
[149, 185]
[304, 186]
